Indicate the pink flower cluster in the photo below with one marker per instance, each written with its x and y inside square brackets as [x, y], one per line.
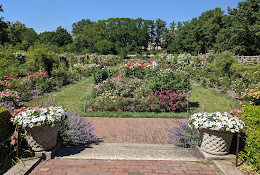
[235, 113]
[44, 74]
[171, 100]
[8, 78]
[9, 95]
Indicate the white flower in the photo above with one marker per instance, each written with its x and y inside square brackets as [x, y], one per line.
[31, 125]
[31, 119]
[216, 120]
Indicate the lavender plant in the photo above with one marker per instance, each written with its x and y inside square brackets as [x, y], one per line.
[183, 135]
[77, 131]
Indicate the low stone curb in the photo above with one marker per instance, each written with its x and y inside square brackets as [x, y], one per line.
[227, 168]
[24, 167]
[209, 157]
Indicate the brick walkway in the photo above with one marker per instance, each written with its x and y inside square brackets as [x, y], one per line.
[110, 167]
[133, 130]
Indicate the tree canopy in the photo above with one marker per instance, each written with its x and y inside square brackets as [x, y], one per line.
[238, 32]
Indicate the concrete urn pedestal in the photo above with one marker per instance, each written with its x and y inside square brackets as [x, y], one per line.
[214, 141]
[42, 138]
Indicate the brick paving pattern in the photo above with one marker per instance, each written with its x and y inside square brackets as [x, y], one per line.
[133, 130]
[122, 167]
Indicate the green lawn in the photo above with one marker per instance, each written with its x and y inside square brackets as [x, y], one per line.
[73, 96]
[202, 97]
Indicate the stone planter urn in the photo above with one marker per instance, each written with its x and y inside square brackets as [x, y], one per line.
[214, 141]
[42, 138]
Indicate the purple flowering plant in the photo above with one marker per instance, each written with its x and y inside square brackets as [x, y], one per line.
[77, 131]
[183, 135]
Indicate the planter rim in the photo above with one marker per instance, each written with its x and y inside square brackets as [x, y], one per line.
[213, 129]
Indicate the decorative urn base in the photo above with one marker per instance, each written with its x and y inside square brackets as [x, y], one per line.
[215, 142]
[42, 138]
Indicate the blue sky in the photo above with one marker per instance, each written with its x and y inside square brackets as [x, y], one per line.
[47, 15]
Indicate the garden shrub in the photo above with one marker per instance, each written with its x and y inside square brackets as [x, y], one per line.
[102, 74]
[223, 62]
[134, 70]
[170, 100]
[252, 96]
[77, 131]
[168, 79]
[7, 127]
[125, 104]
[6, 130]
[116, 87]
[251, 152]
[9, 95]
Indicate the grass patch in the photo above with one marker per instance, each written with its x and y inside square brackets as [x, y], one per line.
[72, 97]
[202, 97]
[134, 114]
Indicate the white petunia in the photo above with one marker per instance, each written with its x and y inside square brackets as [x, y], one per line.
[31, 125]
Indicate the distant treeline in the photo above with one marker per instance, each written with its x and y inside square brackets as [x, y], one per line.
[238, 32]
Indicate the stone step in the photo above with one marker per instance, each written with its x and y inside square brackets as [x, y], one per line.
[124, 151]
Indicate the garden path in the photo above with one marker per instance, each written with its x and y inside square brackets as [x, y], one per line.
[126, 130]
[133, 130]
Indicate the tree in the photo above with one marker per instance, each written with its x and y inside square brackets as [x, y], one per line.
[241, 33]
[3, 28]
[105, 47]
[62, 37]
[209, 24]
[47, 37]
[159, 31]
[15, 32]
[30, 36]
[77, 28]
[18, 33]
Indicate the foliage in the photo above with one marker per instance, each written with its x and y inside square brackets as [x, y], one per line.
[77, 130]
[223, 62]
[40, 117]
[135, 70]
[223, 122]
[40, 58]
[252, 96]
[168, 79]
[183, 135]
[62, 36]
[6, 131]
[102, 74]
[251, 152]
[7, 127]
[237, 32]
